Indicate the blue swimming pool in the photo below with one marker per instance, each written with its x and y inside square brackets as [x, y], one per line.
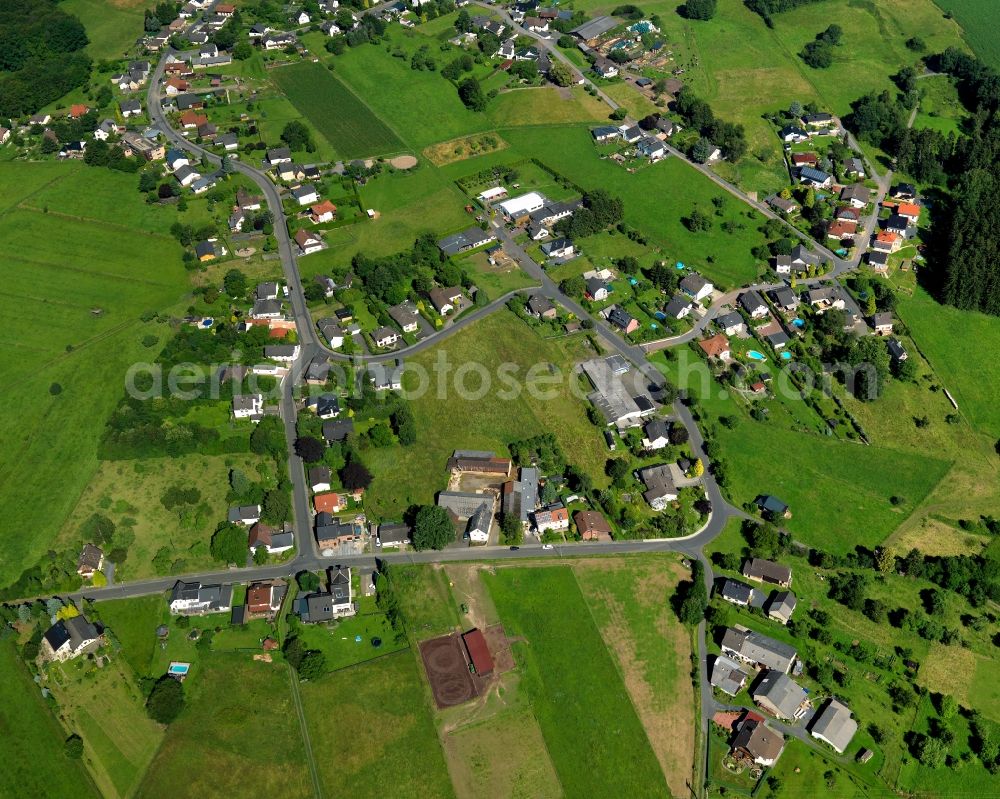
[786, 356]
[756, 356]
[799, 322]
[176, 669]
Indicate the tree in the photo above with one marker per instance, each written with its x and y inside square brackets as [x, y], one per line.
[692, 598]
[147, 181]
[277, 507]
[242, 50]
[297, 136]
[380, 435]
[885, 559]
[701, 150]
[618, 470]
[308, 581]
[73, 747]
[355, 475]
[471, 94]
[166, 700]
[229, 544]
[511, 529]
[235, 282]
[700, 9]
[463, 22]
[310, 449]
[931, 752]
[432, 528]
[312, 665]
[561, 75]
[404, 425]
[698, 221]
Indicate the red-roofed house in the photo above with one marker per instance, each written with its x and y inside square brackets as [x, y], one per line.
[192, 119]
[323, 212]
[887, 241]
[264, 598]
[330, 502]
[841, 229]
[78, 110]
[479, 652]
[225, 9]
[716, 347]
[804, 159]
[909, 210]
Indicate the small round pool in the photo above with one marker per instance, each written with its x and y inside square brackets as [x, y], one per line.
[756, 356]
[786, 356]
[799, 322]
[208, 322]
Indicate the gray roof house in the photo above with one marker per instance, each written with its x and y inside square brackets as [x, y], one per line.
[468, 239]
[781, 605]
[736, 592]
[834, 725]
[767, 571]
[780, 695]
[752, 647]
[727, 675]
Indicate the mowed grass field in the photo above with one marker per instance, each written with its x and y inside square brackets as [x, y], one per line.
[134, 623]
[34, 763]
[485, 415]
[346, 121]
[575, 688]
[238, 734]
[106, 707]
[978, 21]
[59, 269]
[112, 25]
[372, 730]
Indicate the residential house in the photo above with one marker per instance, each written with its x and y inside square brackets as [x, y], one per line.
[331, 533]
[597, 290]
[266, 309]
[780, 695]
[244, 514]
[264, 599]
[478, 528]
[805, 159]
[105, 130]
[897, 353]
[539, 307]
[856, 195]
[656, 434]
[848, 213]
[133, 143]
[757, 742]
[772, 508]
[462, 504]
[660, 489]
[73, 149]
[385, 337]
[841, 229]
[558, 248]
[204, 250]
[779, 203]
[736, 593]
[679, 307]
[130, 108]
[175, 159]
[337, 430]
[820, 120]
[70, 638]
[668, 127]
[620, 318]
[716, 347]
[307, 242]
[696, 287]
[322, 212]
[553, 517]
[319, 478]
[909, 211]
[799, 261]
[468, 239]
[784, 298]
[753, 304]
[793, 134]
[816, 178]
[631, 133]
[518, 209]
[305, 195]
[833, 725]
[78, 110]
[285, 353]
[897, 224]
[727, 675]
[767, 571]
[781, 606]
[314, 608]
[592, 525]
[445, 299]
[605, 67]
[854, 167]
[886, 242]
[604, 134]
[279, 155]
[906, 192]
[882, 323]
[329, 502]
[185, 175]
[652, 148]
[325, 406]
[277, 40]
[191, 599]
[406, 316]
[249, 406]
[90, 562]
[757, 649]
[731, 324]
[393, 534]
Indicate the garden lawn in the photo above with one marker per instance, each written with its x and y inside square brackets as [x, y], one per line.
[373, 731]
[425, 600]
[210, 749]
[801, 771]
[65, 364]
[337, 639]
[546, 105]
[577, 693]
[33, 740]
[337, 112]
[133, 623]
[480, 418]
